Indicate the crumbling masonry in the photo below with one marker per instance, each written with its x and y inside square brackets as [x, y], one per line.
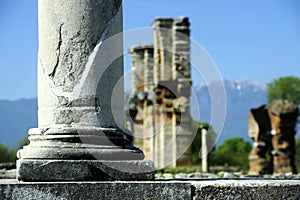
[159, 105]
[272, 128]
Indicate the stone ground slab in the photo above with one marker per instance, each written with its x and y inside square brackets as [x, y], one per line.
[246, 189]
[10, 189]
[83, 170]
[178, 189]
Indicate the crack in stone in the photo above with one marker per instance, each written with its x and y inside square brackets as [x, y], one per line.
[91, 58]
[55, 90]
[44, 164]
[57, 51]
[44, 130]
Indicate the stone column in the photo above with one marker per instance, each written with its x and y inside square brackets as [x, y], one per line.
[148, 104]
[283, 117]
[259, 128]
[181, 49]
[162, 48]
[162, 71]
[142, 94]
[80, 134]
[181, 73]
[204, 151]
[138, 68]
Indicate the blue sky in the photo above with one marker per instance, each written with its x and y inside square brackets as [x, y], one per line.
[257, 40]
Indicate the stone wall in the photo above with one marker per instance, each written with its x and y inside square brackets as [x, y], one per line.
[161, 83]
[272, 128]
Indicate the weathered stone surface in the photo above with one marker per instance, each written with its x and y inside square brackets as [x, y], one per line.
[9, 189]
[72, 60]
[80, 122]
[159, 106]
[283, 117]
[81, 142]
[247, 189]
[7, 174]
[259, 126]
[204, 189]
[83, 170]
[272, 128]
[258, 165]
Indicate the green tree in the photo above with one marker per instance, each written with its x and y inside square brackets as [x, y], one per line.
[285, 88]
[196, 143]
[22, 143]
[6, 154]
[233, 151]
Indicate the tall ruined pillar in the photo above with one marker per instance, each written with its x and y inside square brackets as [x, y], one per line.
[272, 128]
[182, 75]
[283, 118]
[259, 128]
[143, 98]
[79, 134]
[148, 124]
[166, 71]
[181, 49]
[204, 147]
[136, 96]
[163, 44]
[162, 71]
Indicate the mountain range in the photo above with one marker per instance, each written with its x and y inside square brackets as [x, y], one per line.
[16, 117]
[241, 96]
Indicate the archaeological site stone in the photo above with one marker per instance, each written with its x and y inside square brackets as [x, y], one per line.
[159, 105]
[272, 128]
[80, 143]
[283, 117]
[259, 126]
[204, 156]
[78, 136]
[128, 190]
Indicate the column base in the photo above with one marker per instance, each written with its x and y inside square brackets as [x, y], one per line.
[81, 154]
[83, 170]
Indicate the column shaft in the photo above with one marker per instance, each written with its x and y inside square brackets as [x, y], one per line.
[80, 133]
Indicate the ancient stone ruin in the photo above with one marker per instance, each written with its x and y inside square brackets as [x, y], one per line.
[272, 128]
[79, 150]
[159, 105]
[79, 137]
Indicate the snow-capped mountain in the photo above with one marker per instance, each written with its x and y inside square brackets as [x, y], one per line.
[16, 117]
[241, 96]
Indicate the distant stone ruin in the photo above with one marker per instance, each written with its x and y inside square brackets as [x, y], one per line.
[159, 104]
[272, 128]
[79, 151]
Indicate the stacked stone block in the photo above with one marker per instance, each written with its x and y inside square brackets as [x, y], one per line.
[259, 126]
[166, 92]
[283, 118]
[143, 97]
[272, 128]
